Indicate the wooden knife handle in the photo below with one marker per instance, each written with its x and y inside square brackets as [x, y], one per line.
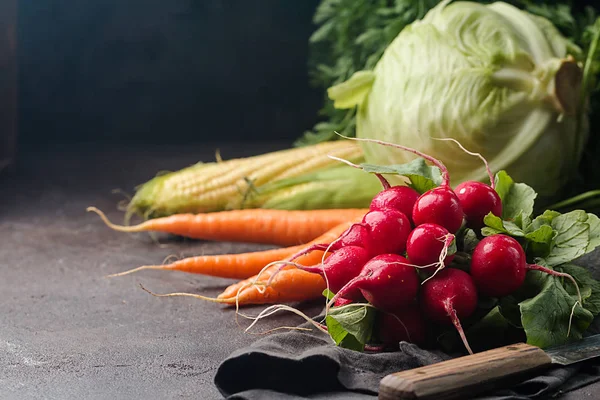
[463, 377]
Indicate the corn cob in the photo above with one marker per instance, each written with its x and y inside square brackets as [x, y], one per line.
[334, 187]
[218, 186]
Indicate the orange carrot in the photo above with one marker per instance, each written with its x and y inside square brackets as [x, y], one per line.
[244, 265]
[285, 280]
[278, 227]
[289, 285]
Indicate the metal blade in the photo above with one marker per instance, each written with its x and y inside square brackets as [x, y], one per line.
[578, 351]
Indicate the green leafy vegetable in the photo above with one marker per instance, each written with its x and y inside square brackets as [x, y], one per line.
[517, 198]
[541, 220]
[353, 36]
[554, 237]
[498, 95]
[589, 287]
[469, 240]
[509, 308]
[544, 303]
[545, 317]
[351, 326]
[594, 234]
[328, 294]
[495, 225]
[421, 176]
[572, 238]
[541, 241]
[493, 330]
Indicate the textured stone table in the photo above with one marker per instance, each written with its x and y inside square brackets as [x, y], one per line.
[66, 332]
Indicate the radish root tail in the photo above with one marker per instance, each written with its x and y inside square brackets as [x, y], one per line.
[571, 318]
[454, 317]
[403, 326]
[282, 307]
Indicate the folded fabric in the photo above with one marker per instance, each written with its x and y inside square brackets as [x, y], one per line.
[306, 365]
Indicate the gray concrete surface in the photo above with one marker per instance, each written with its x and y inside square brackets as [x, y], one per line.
[66, 332]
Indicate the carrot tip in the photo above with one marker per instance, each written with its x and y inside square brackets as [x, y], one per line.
[177, 294]
[105, 219]
[131, 271]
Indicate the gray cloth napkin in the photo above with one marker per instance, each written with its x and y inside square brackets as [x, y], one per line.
[306, 365]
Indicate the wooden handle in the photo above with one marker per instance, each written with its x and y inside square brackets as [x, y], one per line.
[464, 376]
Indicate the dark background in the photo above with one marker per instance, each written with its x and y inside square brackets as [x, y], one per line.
[155, 71]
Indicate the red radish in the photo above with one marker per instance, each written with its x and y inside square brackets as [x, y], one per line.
[406, 324]
[498, 266]
[387, 281]
[356, 235]
[478, 200]
[449, 296]
[388, 231]
[425, 245]
[380, 232]
[439, 206]
[401, 198]
[341, 267]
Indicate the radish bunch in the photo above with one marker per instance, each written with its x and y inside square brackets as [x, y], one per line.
[399, 258]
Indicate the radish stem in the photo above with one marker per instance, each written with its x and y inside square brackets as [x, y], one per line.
[436, 162]
[548, 271]
[487, 167]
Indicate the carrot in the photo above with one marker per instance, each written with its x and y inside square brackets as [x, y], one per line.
[289, 285]
[278, 227]
[289, 274]
[244, 265]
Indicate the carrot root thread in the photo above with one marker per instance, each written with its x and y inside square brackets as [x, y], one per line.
[120, 228]
[183, 294]
[133, 270]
